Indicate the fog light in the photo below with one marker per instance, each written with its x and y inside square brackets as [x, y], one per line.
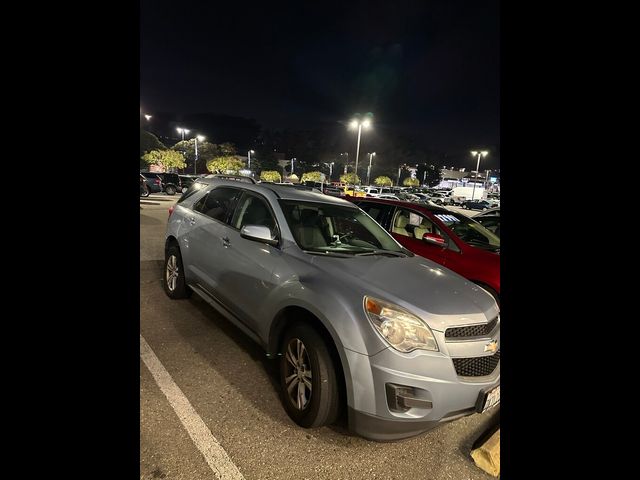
[401, 398]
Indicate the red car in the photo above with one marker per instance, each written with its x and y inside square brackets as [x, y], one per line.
[448, 238]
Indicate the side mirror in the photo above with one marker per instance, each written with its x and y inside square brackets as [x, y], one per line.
[258, 233]
[435, 239]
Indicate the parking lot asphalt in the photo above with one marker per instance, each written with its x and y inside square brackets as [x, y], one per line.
[232, 387]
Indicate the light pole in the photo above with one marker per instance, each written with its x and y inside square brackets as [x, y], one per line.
[369, 168]
[399, 170]
[356, 123]
[183, 131]
[292, 160]
[330, 165]
[195, 163]
[249, 156]
[347, 162]
[483, 153]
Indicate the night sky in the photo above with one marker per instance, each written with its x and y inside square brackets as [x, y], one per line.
[426, 69]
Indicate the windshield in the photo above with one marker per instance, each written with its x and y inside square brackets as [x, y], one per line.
[325, 228]
[470, 231]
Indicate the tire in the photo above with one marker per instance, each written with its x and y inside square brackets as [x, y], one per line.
[174, 286]
[170, 190]
[319, 405]
[145, 192]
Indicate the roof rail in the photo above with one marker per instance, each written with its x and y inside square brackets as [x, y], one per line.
[238, 178]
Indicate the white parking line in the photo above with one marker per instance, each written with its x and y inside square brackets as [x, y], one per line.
[221, 465]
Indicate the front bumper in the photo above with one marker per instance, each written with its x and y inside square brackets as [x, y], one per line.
[444, 396]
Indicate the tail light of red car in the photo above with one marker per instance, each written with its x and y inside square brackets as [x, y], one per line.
[171, 209]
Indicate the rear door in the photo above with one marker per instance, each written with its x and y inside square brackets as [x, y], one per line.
[208, 226]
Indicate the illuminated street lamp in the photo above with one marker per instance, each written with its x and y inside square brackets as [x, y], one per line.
[148, 117]
[369, 169]
[249, 157]
[183, 131]
[359, 124]
[195, 163]
[483, 153]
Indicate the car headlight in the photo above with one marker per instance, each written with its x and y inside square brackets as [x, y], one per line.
[401, 329]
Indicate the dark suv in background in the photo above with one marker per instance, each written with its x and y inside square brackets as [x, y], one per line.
[154, 182]
[171, 183]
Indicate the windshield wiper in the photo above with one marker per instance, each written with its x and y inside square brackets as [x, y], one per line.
[328, 253]
[393, 253]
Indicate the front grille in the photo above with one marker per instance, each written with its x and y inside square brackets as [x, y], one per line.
[472, 330]
[476, 366]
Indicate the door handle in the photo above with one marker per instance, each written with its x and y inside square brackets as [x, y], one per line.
[192, 220]
[225, 242]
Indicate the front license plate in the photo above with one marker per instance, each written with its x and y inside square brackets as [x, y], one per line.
[489, 399]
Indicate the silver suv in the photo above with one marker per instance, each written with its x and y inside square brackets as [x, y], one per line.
[355, 320]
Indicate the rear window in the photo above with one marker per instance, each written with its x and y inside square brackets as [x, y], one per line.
[193, 188]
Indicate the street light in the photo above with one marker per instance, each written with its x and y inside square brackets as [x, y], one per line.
[483, 153]
[249, 156]
[195, 163]
[183, 131]
[346, 165]
[366, 123]
[148, 117]
[369, 169]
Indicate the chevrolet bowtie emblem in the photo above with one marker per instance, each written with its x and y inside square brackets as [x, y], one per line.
[492, 346]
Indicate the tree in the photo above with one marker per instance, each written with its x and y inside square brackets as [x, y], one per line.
[411, 182]
[148, 142]
[428, 174]
[312, 177]
[225, 164]
[350, 178]
[227, 149]
[206, 151]
[383, 181]
[433, 177]
[165, 159]
[265, 160]
[270, 176]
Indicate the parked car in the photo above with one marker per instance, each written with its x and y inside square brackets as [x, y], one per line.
[476, 204]
[490, 219]
[154, 182]
[331, 190]
[441, 198]
[144, 190]
[446, 237]
[171, 183]
[186, 181]
[355, 320]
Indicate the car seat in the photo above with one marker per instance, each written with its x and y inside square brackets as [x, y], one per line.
[308, 231]
[400, 224]
[424, 227]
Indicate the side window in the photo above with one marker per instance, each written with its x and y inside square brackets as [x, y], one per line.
[422, 224]
[379, 212]
[413, 224]
[219, 203]
[252, 210]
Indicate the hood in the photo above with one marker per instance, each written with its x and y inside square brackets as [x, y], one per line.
[438, 295]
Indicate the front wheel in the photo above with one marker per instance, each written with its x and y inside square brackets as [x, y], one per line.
[173, 279]
[170, 190]
[308, 381]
